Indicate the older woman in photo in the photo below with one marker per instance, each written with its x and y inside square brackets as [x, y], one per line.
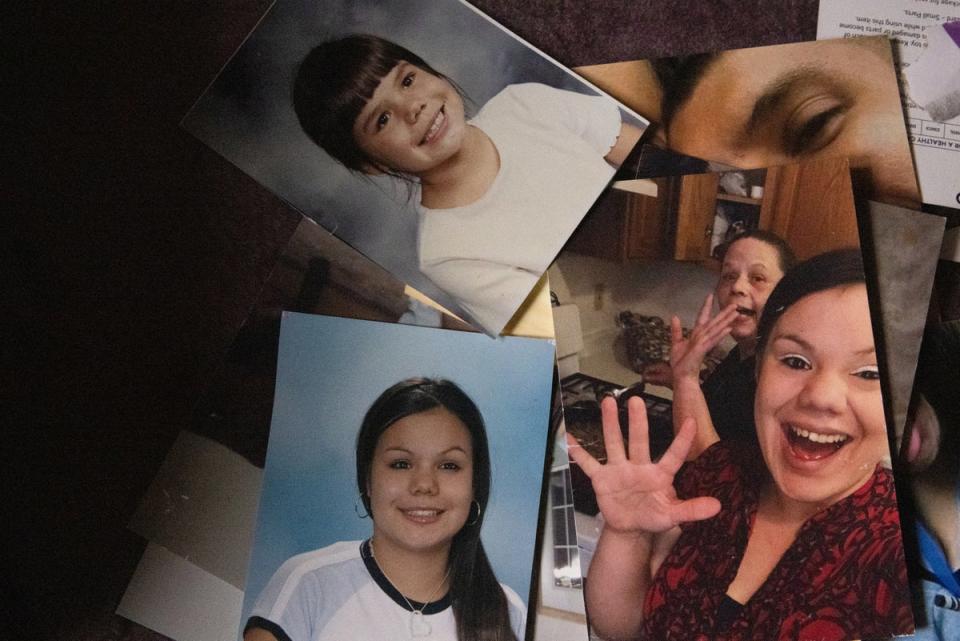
[802, 543]
[752, 265]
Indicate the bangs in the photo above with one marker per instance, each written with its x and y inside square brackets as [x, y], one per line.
[334, 83]
[356, 88]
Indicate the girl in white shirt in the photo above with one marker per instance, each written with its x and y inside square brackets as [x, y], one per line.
[499, 193]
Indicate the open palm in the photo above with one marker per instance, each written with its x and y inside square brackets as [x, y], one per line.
[687, 354]
[634, 493]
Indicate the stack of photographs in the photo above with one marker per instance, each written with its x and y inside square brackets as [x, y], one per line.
[627, 353]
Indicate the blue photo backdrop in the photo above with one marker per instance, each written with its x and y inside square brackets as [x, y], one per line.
[329, 372]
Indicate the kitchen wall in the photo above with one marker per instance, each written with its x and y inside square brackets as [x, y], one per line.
[603, 288]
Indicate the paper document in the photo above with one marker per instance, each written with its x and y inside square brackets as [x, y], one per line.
[929, 65]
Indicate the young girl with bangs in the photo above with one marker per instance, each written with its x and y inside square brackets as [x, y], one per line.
[498, 193]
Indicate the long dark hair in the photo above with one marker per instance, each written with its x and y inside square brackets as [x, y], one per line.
[335, 81]
[819, 273]
[479, 604]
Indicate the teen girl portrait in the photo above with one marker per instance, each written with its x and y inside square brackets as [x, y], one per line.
[498, 192]
[803, 543]
[423, 476]
[398, 506]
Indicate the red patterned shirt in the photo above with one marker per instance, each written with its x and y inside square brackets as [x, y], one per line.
[843, 578]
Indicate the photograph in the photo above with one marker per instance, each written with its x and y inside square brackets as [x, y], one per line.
[929, 447]
[402, 487]
[803, 103]
[779, 104]
[423, 134]
[723, 394]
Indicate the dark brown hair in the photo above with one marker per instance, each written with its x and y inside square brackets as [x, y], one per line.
[785, 255]
[479, 604]
[333, 84]
[820, 273]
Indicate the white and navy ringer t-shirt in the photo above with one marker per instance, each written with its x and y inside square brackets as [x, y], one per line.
[339, 593]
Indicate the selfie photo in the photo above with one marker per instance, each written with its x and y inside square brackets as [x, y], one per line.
[724, 403]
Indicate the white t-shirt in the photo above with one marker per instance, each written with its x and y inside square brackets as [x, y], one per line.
[338, 593]
[489, 254]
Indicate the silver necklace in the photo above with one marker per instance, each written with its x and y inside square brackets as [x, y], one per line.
[419, 626]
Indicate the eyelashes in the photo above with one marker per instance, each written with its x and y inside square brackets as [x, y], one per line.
[406, 82]
[404, 464]
[813, 125]
[795, 361]
[868, 373]
[798, 362]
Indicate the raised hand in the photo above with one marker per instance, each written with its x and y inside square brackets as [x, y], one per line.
[636, 495]
[687, 354]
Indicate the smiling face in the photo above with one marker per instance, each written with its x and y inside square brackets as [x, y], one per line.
[776, 105]
[818, 409]
[750, 271]
[421, 482]
[413, 123]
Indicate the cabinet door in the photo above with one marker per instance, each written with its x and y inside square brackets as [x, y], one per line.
[810, 205]
[696, 208]
[647, 224]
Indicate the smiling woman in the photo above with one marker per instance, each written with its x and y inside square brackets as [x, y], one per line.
[423, 474]
[805, 547]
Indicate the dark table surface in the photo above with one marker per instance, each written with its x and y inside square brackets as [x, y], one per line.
[132, 254]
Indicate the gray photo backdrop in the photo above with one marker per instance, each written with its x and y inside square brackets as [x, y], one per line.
[247, 115]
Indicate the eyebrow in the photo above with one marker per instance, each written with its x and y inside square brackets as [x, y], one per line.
[455, 448]
[802, 343]
[751, 265]
[776, 94]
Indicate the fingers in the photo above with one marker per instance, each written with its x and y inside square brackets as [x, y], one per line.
[676, 331]
[612, 437]
[582, 457]
[639, 431]
[705, 337]
[697, 509]
[714, 331]
[704, 314]
[726, 315]
[676, 454]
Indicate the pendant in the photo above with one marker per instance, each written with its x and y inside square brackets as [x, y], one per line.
[419, 627]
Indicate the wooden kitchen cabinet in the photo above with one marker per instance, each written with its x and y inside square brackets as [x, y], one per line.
[809, 205]
[626, 226]
[696, 208]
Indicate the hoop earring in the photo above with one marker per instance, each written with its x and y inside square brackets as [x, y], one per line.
[479, 512]
[365, 514]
